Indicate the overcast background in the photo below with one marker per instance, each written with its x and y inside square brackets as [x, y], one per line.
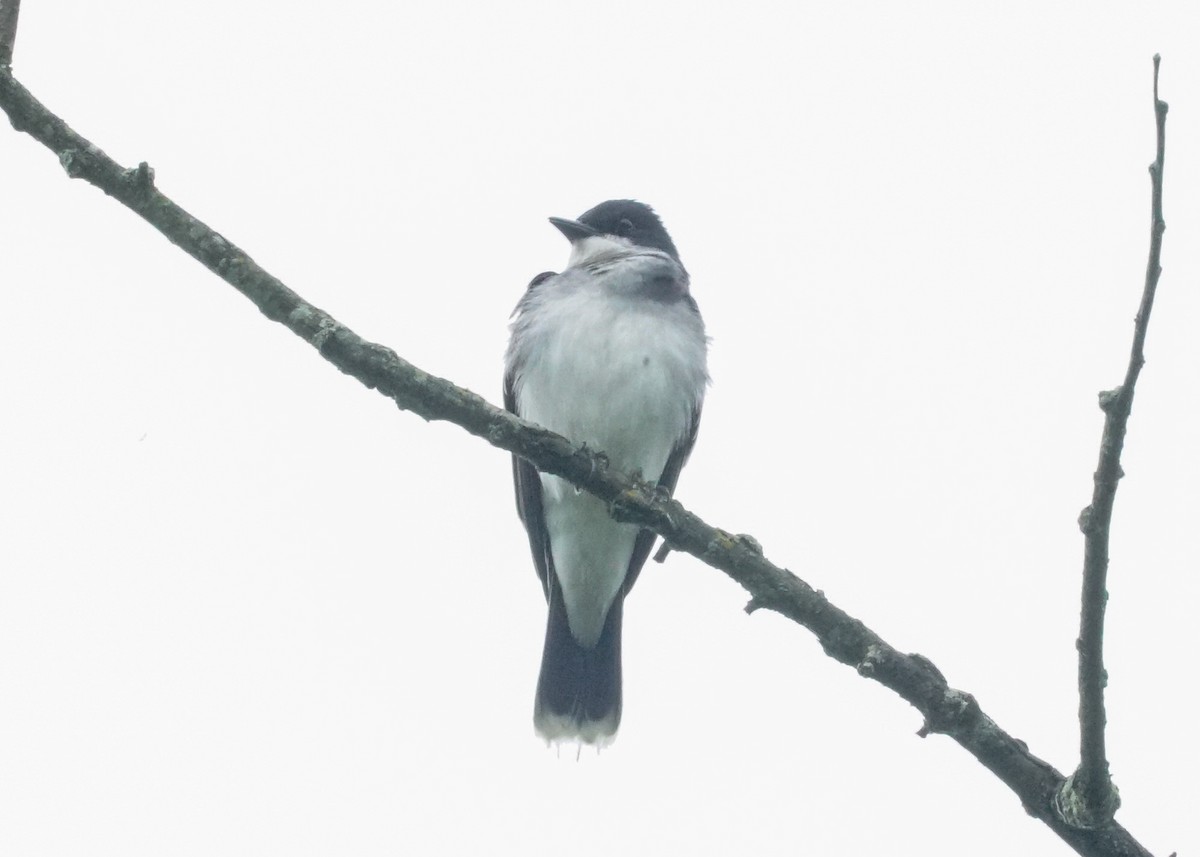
[248, 607]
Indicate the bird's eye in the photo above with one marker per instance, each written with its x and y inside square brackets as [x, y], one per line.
[624, 226]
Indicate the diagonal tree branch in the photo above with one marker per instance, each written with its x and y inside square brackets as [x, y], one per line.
[1089, 798]
[913, 677]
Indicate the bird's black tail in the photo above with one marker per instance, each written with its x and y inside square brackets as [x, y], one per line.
[579, 689]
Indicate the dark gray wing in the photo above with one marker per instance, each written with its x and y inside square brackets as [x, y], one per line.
[528, 484]
[670, 476]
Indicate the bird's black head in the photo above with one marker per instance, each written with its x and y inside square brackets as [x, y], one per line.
[634, 221]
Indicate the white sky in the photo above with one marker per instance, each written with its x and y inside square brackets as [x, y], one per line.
[248, 607]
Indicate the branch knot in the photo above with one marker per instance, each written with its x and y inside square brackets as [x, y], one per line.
[1109, 399]
[1076, 806]
[141, 181]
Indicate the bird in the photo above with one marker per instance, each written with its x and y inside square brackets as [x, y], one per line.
[611, 353]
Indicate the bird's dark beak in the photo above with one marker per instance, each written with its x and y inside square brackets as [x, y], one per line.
[573, 229]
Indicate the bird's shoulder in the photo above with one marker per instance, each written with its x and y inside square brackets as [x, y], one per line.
[539, 279]
[531, 294]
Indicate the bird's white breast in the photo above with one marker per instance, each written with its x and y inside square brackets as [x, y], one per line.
[622, 373]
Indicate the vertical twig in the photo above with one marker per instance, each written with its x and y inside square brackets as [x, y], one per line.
[1089, 799]
[9, 9]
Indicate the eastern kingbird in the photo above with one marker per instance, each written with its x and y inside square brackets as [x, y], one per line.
[610, 353]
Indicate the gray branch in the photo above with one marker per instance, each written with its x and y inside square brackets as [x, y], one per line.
[1089, 798]
[9, 10]
[945, 710]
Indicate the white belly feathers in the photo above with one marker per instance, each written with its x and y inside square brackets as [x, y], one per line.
[622, 374]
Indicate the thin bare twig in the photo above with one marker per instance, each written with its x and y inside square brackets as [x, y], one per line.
[913, 677]
[1089, 798]
[9, 11]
